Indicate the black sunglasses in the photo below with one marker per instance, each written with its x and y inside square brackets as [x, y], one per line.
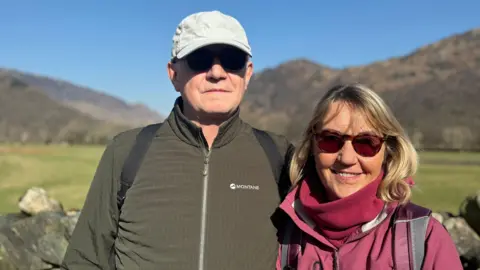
[366, 145]
[231, 59]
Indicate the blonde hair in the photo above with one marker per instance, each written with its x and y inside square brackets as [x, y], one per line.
[401, 157]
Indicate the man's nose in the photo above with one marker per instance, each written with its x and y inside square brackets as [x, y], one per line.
[216, 71]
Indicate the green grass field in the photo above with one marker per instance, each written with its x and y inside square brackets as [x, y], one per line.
[65, 172]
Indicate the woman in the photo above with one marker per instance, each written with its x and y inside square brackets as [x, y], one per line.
[349, 206]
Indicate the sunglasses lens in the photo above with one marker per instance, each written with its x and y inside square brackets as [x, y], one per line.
[364, 145]
[329, 143]
[367, 146]
[200, 60]
[233, 59]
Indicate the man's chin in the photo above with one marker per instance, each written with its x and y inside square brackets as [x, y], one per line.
[218, 113]
[219, 110]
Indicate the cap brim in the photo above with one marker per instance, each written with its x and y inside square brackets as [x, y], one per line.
[206, 42]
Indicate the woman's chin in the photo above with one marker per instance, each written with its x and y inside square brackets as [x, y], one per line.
[343, 191]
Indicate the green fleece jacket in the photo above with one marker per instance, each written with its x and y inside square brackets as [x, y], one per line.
[190, 207]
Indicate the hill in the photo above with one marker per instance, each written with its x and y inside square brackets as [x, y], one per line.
[35, 108]
[27, 115]
[96, 104]
[434, 91]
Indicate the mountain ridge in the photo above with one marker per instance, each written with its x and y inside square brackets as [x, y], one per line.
[96, 103]
[432, 74]
[434, 91]
[20, 120]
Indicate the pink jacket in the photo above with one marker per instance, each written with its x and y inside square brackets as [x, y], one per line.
[371, 249]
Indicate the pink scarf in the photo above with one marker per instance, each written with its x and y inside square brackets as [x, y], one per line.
[337, 220]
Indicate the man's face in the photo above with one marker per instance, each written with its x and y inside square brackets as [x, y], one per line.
[212, 80]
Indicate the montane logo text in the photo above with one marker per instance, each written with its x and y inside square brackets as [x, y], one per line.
[236, 186]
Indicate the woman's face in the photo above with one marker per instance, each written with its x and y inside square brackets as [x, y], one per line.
[345, 171]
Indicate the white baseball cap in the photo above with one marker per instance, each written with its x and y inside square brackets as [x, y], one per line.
[208, 28]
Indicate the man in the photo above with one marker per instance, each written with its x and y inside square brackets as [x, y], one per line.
[205, 189]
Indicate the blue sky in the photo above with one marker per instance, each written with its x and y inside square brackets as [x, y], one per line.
[122, 47]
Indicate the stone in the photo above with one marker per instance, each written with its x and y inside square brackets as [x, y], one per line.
[37, 237]
[8, 219]
[14, 256]
[438, 217]
[470, 211]
[36, 242]
[36, 200]
[52, 247]
[69, 222]
[465, 239]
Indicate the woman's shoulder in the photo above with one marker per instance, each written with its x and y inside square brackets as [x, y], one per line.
[411, 212]
[422, 221]
[418, 221]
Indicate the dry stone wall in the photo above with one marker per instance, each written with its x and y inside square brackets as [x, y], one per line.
[37, 236]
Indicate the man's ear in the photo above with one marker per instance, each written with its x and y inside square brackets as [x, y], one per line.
[248, 73]
[172, 74]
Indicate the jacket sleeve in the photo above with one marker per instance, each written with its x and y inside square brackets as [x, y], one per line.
[440, 250]
[92, 241]
[278, 262]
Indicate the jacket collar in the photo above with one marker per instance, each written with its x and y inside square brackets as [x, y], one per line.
[291, 208]
[191, 134]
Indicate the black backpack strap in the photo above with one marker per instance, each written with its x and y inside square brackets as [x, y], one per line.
[134, 160]
[276, 159]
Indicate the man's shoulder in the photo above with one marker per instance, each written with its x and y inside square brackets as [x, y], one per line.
[129, 136]
[281, 141]
[123, 141]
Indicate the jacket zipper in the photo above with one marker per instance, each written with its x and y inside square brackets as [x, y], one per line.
[335, 259]
[203, 225]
